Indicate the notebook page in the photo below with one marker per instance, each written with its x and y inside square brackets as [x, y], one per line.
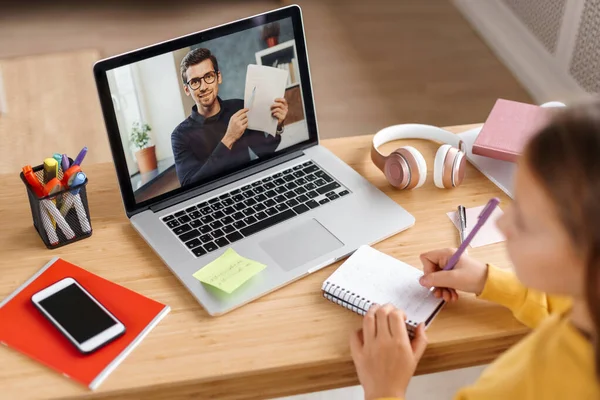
[382, 279]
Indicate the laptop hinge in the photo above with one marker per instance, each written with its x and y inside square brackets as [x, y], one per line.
[224, 181]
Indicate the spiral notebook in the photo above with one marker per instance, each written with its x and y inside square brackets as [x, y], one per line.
[370, 276]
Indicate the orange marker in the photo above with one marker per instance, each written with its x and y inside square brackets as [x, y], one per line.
[33, 181]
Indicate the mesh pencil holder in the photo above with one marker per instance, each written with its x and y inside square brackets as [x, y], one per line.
[60, 218]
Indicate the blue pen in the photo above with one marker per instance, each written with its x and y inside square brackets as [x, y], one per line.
[58, 158]
[64, 162]
[80, 156]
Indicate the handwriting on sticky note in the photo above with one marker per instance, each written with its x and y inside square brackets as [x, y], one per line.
[229, 271]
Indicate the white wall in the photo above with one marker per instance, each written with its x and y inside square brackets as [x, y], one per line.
[160, 100]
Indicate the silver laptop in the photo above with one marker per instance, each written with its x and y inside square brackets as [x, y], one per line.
[215, 143]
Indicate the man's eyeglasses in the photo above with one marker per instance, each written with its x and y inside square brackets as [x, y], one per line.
[209, 78]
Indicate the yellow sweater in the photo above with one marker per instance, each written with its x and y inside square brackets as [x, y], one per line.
[555, 361]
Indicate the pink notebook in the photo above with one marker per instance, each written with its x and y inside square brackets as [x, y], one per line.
[508, 128]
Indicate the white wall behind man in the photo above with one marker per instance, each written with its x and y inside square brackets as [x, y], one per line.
[160, 100]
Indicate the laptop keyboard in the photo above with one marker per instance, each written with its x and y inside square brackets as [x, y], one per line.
[244, 211]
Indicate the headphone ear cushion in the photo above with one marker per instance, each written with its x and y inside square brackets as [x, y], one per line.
[421, 165]
[439, 164]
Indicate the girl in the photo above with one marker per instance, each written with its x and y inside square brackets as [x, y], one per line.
[552, 234]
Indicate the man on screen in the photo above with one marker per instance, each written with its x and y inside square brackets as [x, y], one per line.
[214, 137]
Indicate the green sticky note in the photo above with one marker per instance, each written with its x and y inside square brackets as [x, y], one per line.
[229, 271]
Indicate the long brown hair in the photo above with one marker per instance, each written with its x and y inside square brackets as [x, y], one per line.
[565, 158]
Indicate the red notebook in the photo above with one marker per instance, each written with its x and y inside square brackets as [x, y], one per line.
[25, 329]
[508, 128]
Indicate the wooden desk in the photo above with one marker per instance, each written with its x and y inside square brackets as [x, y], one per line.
[290, 341]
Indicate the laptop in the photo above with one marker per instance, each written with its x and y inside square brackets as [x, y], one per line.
[215, 143]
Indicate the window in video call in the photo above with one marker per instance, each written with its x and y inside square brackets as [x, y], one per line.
[209, 109]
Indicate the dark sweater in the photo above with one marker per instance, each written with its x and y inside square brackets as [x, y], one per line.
[199, 152]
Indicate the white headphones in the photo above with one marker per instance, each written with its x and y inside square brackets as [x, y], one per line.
[405, 167]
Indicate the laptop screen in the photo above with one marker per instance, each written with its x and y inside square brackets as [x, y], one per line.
[200, 112]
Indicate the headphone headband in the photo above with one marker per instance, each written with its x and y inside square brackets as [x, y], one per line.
[415, 131]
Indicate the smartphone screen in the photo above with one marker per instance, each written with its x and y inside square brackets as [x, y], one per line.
[77, 313]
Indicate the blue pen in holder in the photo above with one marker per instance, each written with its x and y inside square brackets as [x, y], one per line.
[60, 218]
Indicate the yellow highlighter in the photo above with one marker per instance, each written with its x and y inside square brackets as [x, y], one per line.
[50, 169]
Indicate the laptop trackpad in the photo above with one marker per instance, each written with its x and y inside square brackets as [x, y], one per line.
[301, 244]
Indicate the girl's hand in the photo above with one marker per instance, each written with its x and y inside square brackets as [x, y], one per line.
[469, 274]
[384, 357]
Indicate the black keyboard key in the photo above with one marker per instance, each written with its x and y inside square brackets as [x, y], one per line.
[210, 246]
[195, 223]
[300, 209]
[310, 178]
[268, 179]
[207, 219]
[277, 175]
[328, 188]
[310, 169]
[266, 223]
[248, 193]
[287, 171]
[290, 194]
[261, 215]
[173, 224]
[195, 214]
[227, 202]
[320, 182]
[182, 229]
[328, 179]
[281, 207]
[300, 182]
[302, 198]
[270, 203]
[280, 199]
[238, 197]
[190, 209]
[329, 194]
[300, 190]
[271, 211]
[168, 218]
[344, 192]
[237, 216]
[259, 207]
[269, 185]
[280, 189]
[199, 251]
[193, 243]
[221, 242]
[239, 224]
[290, 186]
[312, 194]
[185, 219]
[239, 206]
[279, 181]
[179, 214]
[249, 221]
[324, 201]
[217, 233]
[229, 210]
[333, 196]
[312, 204]
[227, 220]
[228, 229]
[271, 193]
[288, 178]
[260, 197]
[320, 173]
[205, 229]
[250, 202]
[306, 164]
[206, 238]
[310, 186]
[189, 235]
[292, 203]
[216, 224]
[234, 192]
[233, 237]
[259, 189]
[206, 210]
[298, 174]
[248, 211]
[224, 196]
[297, 167]
[244, 188]
[213, 200]
[217, 206]
[202, 205]
[255, 184]
[218, 215]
